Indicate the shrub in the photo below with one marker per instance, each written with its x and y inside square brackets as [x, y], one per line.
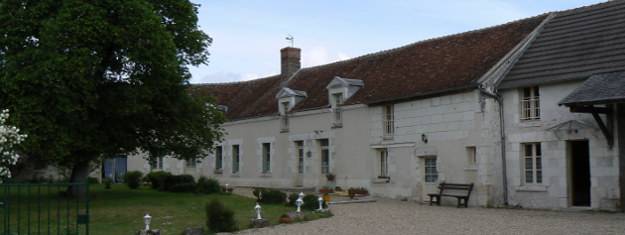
[157, 179]
[107, 183]
[207, 186]
[183, 188]
[273, 197]
[311, 202]
[91, 180]
[292, 198]
[172, 180]
[133, 179]
[258, 193]
[219, 218]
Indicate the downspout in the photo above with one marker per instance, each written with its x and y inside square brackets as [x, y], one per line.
[502, 133]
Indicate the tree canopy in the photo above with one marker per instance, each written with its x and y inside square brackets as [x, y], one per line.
[90, 79]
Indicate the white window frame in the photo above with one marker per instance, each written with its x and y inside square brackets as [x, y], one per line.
[325, 165]
[430, 169]
[531, 162]
[219, 159]
[285, 116]
[157, 164]
[191, 163]
[530, 103]
[338, 115]
[266, 158]
[383, 164]
[388, 121]
[236, 158]
[299, 154]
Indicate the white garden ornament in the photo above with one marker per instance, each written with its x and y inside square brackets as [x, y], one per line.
[9, 139]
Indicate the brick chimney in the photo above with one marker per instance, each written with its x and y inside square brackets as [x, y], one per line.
[290, 60]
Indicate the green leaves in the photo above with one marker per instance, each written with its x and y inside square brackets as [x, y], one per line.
[89, 79]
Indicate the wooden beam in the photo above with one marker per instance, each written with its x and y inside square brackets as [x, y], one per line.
[590, 109]
[604, 129]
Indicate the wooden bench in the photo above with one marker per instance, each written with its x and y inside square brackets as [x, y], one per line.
[462, 192]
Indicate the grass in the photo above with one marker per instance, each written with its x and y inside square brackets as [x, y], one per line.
[120, 210]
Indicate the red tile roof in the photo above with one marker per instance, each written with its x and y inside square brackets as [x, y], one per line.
[426, 68]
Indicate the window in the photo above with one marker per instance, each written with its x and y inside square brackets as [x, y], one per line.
[533, 167]
[325, 156]
[471, 157]
[156, 163]
[191, 163]
[389, 121]
[530, 104]
[285, 116]
[266, 158]
[219, 159]
[299, 149]
[383, 164]
[235, 159]
[338, 100]
[431, 174]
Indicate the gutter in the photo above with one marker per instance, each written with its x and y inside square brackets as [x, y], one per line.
[502, 133]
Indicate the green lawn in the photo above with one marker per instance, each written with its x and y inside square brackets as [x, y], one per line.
[120, 210]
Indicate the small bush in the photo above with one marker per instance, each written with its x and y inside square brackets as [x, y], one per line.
[311, 202]
[183, 188]
[172, 180]
[273, 197]
[292, 198]
[219, 218]
[93, 180]
[157, 179]
[107, 183]
[207, 186]
[133, 179]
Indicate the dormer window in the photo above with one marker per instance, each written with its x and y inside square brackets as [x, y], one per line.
[287, 99]
[339, 90]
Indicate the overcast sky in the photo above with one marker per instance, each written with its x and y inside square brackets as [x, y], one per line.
[248, 34]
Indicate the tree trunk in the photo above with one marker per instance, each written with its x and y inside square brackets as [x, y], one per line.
[80, 173]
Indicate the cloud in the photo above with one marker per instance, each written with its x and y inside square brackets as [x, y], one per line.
[319, 55]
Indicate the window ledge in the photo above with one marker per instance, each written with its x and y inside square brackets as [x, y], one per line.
[284, 130]
[235, 175]
[266, 175]
[532, 188]
[218, 171]
[387, 137]
[530, 123]
[470, 168]
[337, 125]
[381, 180]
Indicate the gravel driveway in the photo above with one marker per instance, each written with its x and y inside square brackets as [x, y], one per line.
[395, 217]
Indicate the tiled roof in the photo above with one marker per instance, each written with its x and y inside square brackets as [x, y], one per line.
[416, 70]
[573, 45]
[435, 66]
[599, 89]
[246, 99]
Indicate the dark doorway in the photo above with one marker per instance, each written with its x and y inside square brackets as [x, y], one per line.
[580, 172]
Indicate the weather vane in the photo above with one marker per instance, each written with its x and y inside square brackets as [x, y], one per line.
[291, 39]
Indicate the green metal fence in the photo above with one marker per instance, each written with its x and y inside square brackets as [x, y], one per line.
[38, 209]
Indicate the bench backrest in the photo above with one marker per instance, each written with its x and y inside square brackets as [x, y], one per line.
[455, 187]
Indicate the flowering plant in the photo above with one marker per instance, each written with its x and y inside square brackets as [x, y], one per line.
[9, 139]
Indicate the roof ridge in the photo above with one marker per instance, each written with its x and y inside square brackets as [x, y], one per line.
[388, 51]
[587, 7]
[235, 82]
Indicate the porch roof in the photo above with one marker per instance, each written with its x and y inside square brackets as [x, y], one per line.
[603, 88]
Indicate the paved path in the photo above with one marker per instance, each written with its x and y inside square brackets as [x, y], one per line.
[395, 217]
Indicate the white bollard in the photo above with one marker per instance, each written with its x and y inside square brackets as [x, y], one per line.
[299, 202]
[320, 203]
[147, 219]
[258, 210]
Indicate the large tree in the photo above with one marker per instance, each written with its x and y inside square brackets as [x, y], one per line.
[88, 79]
